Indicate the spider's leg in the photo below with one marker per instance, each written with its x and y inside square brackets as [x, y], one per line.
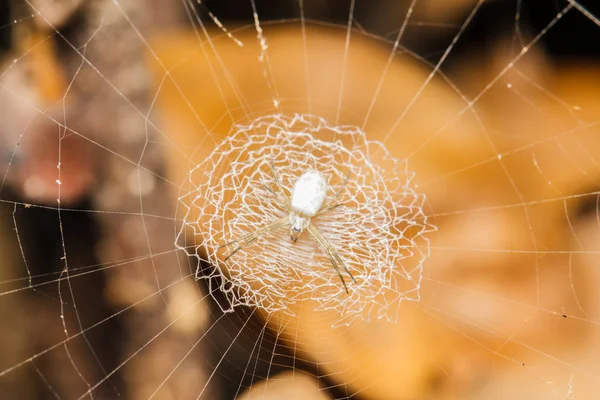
[282, 199]
[270, 189]
[335, 259]
[275, 176]
[337, 269]
[315, 233]
[252, 236]
[331, 257]
[323, 244]
[282, 196]
[329, 205]
[343, 185]
[343, 264]
[328, 208]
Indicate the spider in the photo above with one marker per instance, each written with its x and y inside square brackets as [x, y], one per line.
[308, 196]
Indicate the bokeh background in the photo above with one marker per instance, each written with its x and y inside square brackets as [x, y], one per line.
[105, 107]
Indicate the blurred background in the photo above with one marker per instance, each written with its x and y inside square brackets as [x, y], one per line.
[106, 105]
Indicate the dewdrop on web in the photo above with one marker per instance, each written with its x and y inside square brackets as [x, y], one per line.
[291, 208]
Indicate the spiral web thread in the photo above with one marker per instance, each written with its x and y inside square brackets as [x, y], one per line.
[379, 231]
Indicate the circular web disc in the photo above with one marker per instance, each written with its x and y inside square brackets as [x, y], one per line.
[378, 230]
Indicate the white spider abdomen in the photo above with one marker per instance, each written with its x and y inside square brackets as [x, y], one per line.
[309, 193]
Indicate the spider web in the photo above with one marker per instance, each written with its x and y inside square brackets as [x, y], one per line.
[136, 139]
[370, 230]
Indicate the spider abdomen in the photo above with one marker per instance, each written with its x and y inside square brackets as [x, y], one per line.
[309, 193]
